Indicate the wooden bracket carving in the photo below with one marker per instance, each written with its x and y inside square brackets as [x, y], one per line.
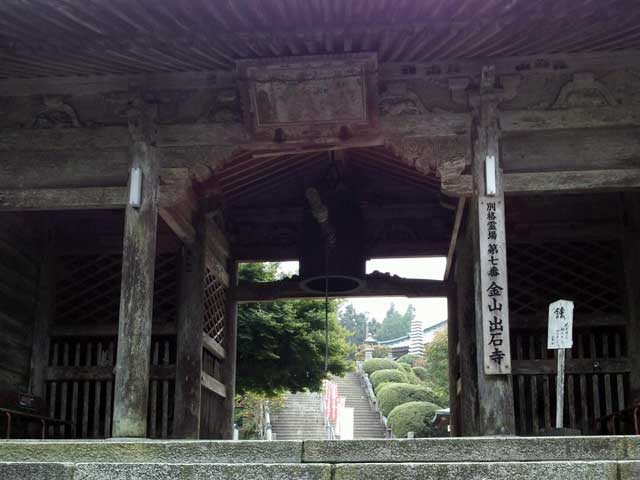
[56, 114]
[584, 91]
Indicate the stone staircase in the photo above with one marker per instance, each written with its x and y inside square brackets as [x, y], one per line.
[366, 422]
[506, 458]
[300, 419]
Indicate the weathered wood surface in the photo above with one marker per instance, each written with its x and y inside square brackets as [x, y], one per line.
[214, 386]
[571, 118]
[587, 181]
[580, 321]
[42, 318]
[136, 297]
[213, 347]
[80, 198]
[101, 373]
[464, 278]
[226, 417]
[630, 226]
[104, 330]
[375, 286]
[189, 337]
[454, 237]
[577, 366]
[495, 392]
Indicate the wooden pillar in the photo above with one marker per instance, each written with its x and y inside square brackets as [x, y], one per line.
[136, 295]
[189, 335]
[454, 367]
[226, 417]
[495, 388]
[466, 336]
[631, 263]
[42, 318]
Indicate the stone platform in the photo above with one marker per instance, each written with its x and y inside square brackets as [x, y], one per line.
[512, 458]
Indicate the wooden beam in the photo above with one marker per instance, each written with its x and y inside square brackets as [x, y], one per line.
[213, 347]
[131, 390]
[189, 336]
[587, 181]
[376, 285]
[65, 374]
[213, 385]
[584, 366]
[102, 330]
[87, 198]
[571, 118]
[454, 237]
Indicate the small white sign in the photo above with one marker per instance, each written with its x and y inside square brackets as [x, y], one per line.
[560, 325]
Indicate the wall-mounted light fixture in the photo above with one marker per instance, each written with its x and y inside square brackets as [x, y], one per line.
[490, 175]
[135, 187]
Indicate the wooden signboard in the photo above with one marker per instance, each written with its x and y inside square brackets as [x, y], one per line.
[560, 337]
[311, 98]
[495, 295]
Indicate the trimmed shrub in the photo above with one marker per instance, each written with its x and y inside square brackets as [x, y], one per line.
[421, 373]
[376, 364]
[380, 377]
[405, 367]
[410, 359]
[413, 417]
[393, 394]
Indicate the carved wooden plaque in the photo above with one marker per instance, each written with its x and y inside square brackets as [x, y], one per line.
[310, 99]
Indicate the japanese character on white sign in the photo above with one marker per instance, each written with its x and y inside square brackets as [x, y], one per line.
[560, 325]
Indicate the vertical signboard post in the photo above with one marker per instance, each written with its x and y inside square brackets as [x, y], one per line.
[560, 337]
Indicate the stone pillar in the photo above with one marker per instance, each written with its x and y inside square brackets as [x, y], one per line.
[189, 335]
[136, 295]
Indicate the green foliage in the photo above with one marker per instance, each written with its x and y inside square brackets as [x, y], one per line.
[378, 352]
[410, 359]
[249, 411]
[413, 417]
[355, 323]
[393, 394]
[281, 344]
[421, 373]
[376, 364]
[380, 377]
[405, 367]
[437, 366]
[395, 324]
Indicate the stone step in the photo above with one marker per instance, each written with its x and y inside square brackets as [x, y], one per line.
[583, 470]
[426, 450]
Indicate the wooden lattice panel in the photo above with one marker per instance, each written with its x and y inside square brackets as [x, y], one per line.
[583, 271]
[88, 288]
[215, 297]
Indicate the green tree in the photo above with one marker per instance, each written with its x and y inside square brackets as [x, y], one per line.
[355, 323]
[281, 344]
[396, 324]
[437, 366]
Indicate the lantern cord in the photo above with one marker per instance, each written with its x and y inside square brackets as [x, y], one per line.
[326, 306]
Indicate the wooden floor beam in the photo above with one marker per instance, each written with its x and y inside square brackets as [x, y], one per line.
[375, 286]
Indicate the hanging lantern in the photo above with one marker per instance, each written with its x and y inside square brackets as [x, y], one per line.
[332, 255]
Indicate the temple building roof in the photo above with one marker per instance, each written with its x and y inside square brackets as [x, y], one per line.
[62, 38]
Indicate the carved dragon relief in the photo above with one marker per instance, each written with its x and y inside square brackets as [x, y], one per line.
[56, 114]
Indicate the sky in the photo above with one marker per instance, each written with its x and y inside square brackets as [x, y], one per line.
[429, 310]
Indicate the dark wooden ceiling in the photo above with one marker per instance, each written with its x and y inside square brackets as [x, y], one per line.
[280, 181]
[41, 38]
